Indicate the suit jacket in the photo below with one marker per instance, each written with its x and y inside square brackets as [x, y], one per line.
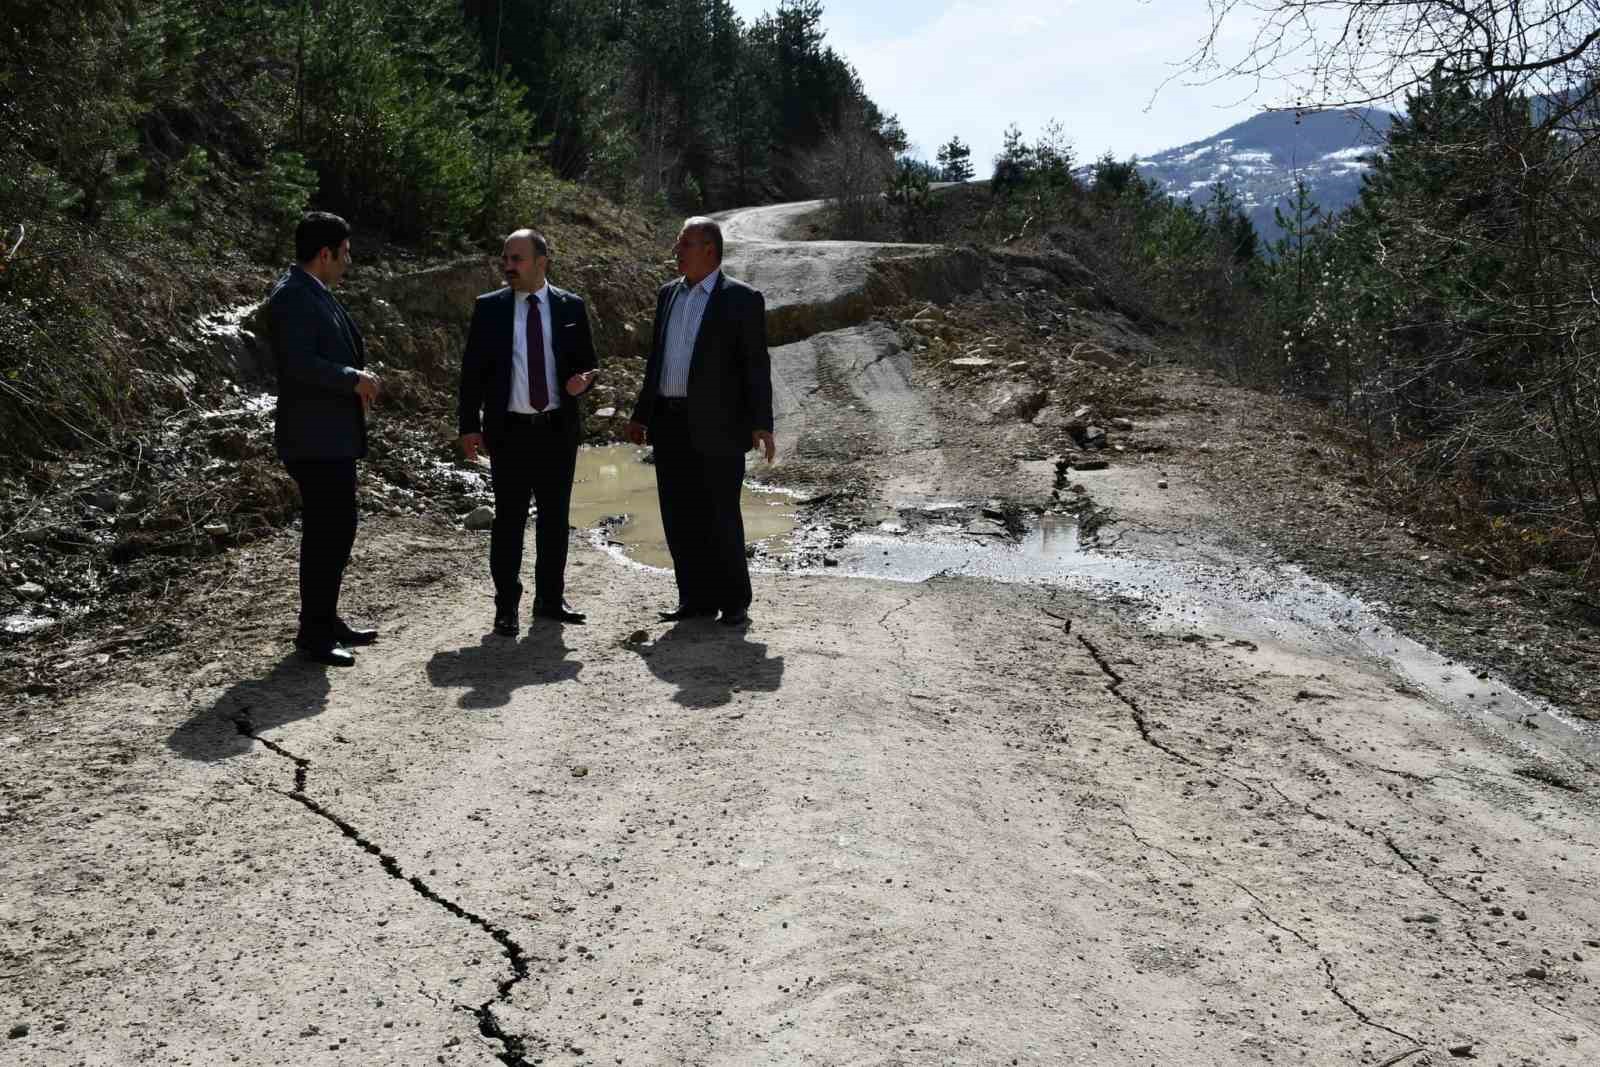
[730, 373]
[317, 349]
[486, 363]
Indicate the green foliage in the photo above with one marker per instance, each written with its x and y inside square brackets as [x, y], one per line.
[955, 161]
[637, 98]
[1112, 179]
[911, 200]
[1013, 165]
[385, 107]
[282, 191]
[1452, 304]
[1032, 184]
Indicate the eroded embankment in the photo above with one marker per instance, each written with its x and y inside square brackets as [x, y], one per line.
[835, 286]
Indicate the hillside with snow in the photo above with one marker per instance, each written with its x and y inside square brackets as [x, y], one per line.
[1260, 157]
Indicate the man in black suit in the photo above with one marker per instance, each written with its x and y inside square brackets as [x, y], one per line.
[706, 400]
[529, 356]
[324, 391]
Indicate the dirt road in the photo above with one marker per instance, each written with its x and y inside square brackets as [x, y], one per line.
[964, 794]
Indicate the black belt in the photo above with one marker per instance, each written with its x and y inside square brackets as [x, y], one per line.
[672, 403]
[531, 418]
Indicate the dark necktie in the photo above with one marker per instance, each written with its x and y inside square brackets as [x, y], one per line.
[538, 389]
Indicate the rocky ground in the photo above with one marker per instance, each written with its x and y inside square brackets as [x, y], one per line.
[1147, 802]
[1290, 478]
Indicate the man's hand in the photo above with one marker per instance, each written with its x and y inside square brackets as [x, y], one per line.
[472, 444]
[762, 439]
[579, 382]
[367, 385]
[635, 432]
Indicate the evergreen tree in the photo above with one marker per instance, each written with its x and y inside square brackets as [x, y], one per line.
[1013, 165]
[955, 161]
[1292, 252]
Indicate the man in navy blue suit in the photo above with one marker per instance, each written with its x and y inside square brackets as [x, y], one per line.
[529, 356]
[320, 428]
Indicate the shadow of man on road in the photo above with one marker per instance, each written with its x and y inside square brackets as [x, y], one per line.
[292, 689]
[495, 668]
[708, 662]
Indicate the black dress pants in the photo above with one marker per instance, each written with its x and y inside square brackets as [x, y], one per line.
[699, 496]
[531, 461]
[327, 534]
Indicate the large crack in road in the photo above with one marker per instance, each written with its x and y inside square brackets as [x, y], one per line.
[513, 1049]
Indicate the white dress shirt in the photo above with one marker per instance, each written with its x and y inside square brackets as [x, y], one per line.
[519, 353]
[683, 326]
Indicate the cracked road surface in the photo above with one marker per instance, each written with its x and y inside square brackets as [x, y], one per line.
[953, 821]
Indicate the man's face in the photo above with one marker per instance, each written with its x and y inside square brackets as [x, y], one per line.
[523, 267]
[335, 263]
[695, 253]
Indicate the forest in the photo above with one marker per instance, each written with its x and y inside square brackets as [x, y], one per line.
[154, 143]
[1449, 318]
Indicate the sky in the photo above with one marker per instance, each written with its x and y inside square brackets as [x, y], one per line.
[970, 68]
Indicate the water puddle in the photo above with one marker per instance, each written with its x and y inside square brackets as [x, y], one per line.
[614, 494]
[1217, 595]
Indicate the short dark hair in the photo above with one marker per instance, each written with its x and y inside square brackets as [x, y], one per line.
[706, 227]
[541, 247]
[319, 230]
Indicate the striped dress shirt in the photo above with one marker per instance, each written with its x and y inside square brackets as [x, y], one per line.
[683, 326]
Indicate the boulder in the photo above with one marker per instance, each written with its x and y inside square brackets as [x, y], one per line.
[1089, 352]
[1017, 400]
[30, 591]
[1051, 417]
[479, 518]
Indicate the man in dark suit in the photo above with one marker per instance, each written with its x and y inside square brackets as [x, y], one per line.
[706, 400]
[324, 391]
[529, 356]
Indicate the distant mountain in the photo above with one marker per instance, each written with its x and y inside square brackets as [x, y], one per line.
[1258, 159]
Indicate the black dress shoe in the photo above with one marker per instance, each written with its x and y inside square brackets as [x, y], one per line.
[561, 612]
[325, 652]
[505, 623]
[735, 618]
[682, 614]
[346, 634]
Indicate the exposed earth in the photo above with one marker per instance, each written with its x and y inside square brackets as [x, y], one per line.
[1095, 714]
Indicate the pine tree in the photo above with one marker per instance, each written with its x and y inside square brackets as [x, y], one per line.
[955, 161]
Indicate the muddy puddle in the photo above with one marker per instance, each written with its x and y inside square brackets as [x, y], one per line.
[614, 498]
[1214, 596]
